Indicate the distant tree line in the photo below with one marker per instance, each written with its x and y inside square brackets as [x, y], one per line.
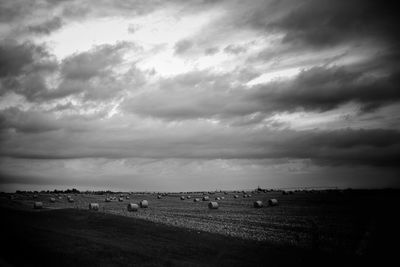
[55, 191]
[67, 191]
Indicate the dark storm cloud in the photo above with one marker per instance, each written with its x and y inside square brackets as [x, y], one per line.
[47, 27]
[96, 62]
[329, 22]
[182, 46]
[234, 49]
[374, 147]
[185, 96]
[324, 89]
[26, 121]
[24, 179]
[23, 68]
[211, 50]
[14, 57]
[13, 9]
[91, 73]
[205, 95]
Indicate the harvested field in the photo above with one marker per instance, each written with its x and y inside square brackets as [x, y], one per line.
[330, 221]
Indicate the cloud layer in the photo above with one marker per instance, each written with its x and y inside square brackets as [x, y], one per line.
[267, 88]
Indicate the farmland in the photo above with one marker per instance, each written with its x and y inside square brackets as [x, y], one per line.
[347, 223]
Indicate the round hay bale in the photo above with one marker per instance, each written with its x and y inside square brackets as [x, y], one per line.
[182, 197]
[60, 197]
[258, 204]
[188, 197]
[206, 198]
[144, 204]
[248, 195]
[213, 205]
[222, 197]
[158, 197]
[52, 200]
[94, 206]
[38, 205]
[127, 197]
[120, 199]
[217, 198]
[273, 202]
[235, 196]
[196, 199]
[133, 207]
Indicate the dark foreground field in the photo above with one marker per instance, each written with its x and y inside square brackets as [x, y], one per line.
[76, 237]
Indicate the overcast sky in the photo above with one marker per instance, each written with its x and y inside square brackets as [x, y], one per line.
[198, 94]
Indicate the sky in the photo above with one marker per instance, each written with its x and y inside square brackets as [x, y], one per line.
[151, 95]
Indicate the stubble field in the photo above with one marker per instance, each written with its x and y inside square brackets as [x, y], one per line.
[332, 221]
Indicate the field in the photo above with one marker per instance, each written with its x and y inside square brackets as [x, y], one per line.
[350, 226]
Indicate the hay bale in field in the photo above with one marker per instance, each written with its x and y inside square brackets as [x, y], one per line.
[133, 207]
[273, 202]
[213, 205]
[38, 205]
[188, 197]
[127, 197]
[196, 199]
[60, 197]
[120, 199]
[258, 204]
[222, 197]
[235, 196]
[52, 200]
[158, 197]
[182, 197]
[206, 198]
[144, 204]
[217, 198]
[248, 195]
[94, 206]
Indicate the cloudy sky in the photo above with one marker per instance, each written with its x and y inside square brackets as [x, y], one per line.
[198, 94]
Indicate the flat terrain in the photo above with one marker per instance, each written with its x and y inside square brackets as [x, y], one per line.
[319, 228]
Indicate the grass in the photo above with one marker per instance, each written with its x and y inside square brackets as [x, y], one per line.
[84, 238]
